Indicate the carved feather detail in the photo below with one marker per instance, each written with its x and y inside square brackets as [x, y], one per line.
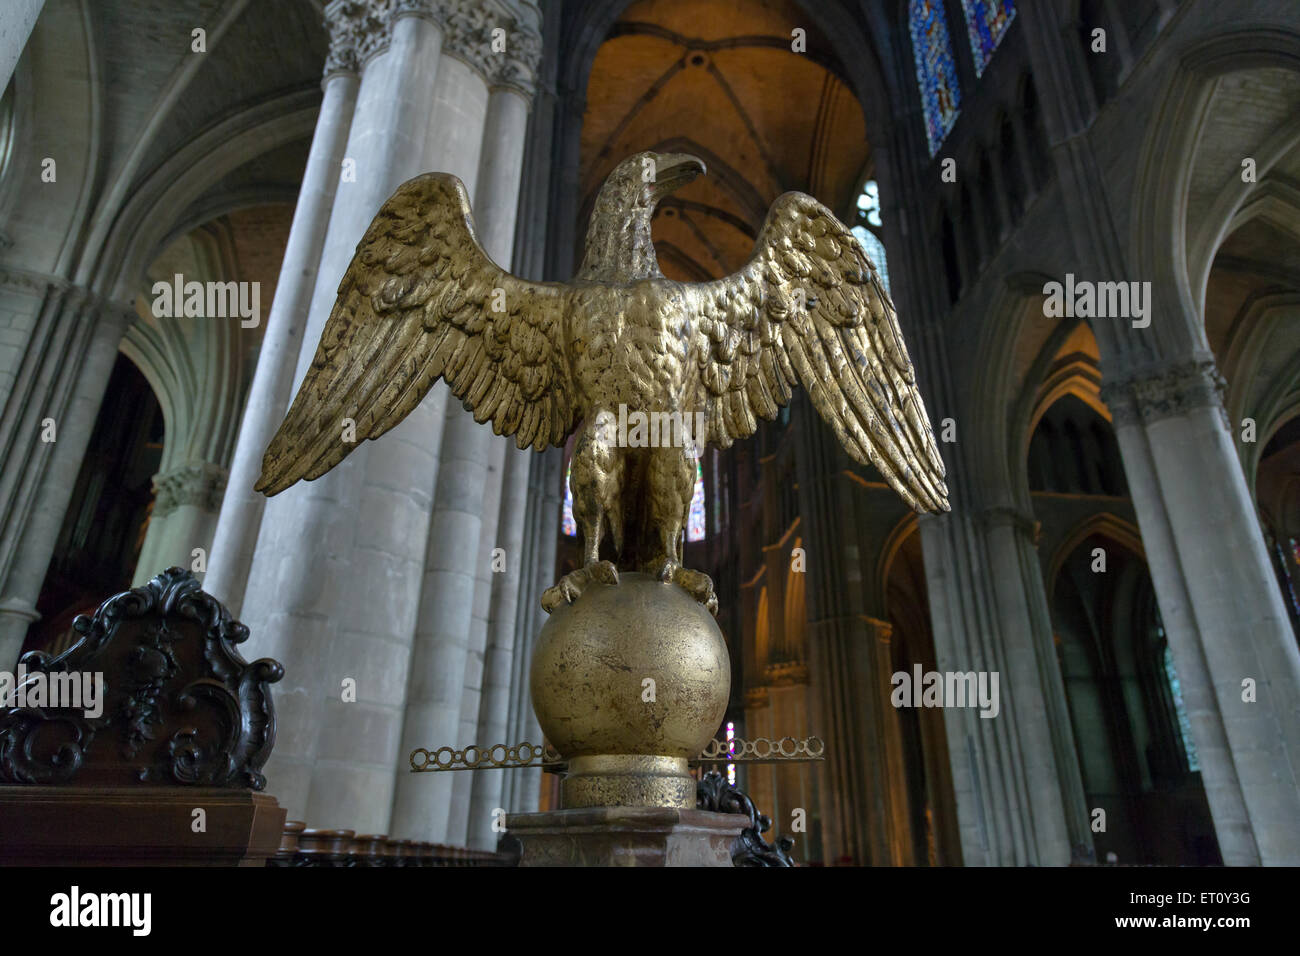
[421, 300]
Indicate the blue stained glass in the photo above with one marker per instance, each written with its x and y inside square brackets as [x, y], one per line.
[695, 524]
[695, 520]
[936, 72]
[567, 523]
[875, 250]
[1184, 723]
[986, 22]
[869, 211]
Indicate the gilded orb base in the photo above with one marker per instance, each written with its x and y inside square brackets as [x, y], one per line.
[628, 780]
[629, 683]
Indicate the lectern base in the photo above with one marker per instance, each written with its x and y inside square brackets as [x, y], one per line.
[625, 836]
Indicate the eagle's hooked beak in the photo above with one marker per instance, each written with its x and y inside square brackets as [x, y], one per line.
[673, 171]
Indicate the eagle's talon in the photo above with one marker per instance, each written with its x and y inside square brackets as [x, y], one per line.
[695, 583]
[603, 571]
[570, 587]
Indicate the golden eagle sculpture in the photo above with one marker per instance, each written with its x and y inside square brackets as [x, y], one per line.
[421, 300]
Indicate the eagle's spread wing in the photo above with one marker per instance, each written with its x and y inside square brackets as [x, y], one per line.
[421, 299]
[754, 339]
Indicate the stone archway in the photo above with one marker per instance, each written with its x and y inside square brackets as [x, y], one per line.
[1128, 715]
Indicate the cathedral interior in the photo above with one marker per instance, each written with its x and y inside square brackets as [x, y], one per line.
[1123, 549]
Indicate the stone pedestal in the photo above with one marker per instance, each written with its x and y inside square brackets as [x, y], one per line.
[626, 836]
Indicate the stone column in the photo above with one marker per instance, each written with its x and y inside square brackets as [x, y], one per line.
[901, 849]
[496, 200]
[421, 807]
[849, 693]
[480, 136]
[186, 501]
[1033, 683]
[435, 679]
[1227, 628]
[522, 789]
[476, 661]
[16, 22]
[61, 381]
[863, 804]
[322, 597]
[273, 380]
[487, 793]
[1007, 775]
[496, 205]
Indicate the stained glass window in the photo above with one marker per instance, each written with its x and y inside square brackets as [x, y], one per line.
[986, 22]
[567, 523]
[1184, 724]
[868, 215]
[936, 72]
[695, 520]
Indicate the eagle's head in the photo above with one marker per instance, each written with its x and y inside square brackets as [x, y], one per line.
[619, 248]
[650, 176]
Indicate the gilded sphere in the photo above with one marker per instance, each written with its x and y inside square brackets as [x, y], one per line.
[592, 660]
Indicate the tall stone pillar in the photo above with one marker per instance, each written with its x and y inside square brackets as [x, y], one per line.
[422, 803]
[487, 793]
[273, 380]
[496, 205]
[480, 136]
[1049, 761]
[325, 593]
[442, 643]
[521, 790]
[862, 790]
[186, 501]
[1007, 774]
[60, 384]
[1227, 628]
[16, 22]
[476, 661]
[849, 690]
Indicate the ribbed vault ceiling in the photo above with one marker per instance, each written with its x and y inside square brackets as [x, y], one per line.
[718, 78]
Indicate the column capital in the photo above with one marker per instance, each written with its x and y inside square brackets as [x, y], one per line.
[371, 29]
[365, 27]
[785, 673]
[75, 296]
[197, 483]
[468, 34]
[756, 698]
[1005, 515]
[516, 68]
[430, 9]
[22, 609]
[1153, 392]
[882, 631]
[344, 20]
[500, 47]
